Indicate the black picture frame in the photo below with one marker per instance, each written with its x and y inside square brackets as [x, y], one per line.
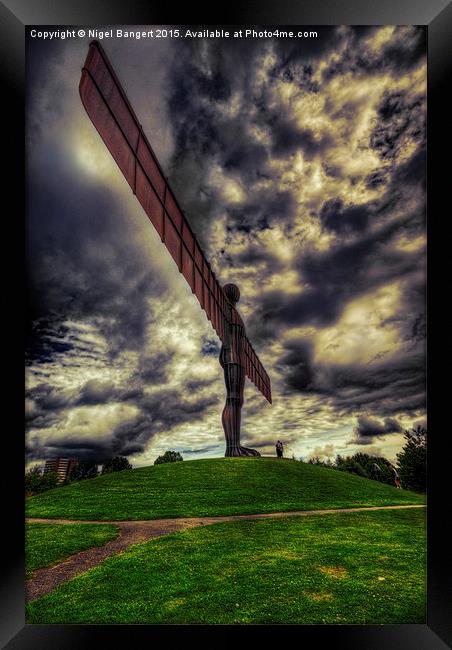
[15, 15]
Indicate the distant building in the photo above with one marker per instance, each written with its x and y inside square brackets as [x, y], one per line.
[62, 466]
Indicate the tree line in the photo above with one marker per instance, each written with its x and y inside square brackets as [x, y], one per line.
[411, 463]
[37, 480]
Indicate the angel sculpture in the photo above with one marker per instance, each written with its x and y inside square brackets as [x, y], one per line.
[114, 118]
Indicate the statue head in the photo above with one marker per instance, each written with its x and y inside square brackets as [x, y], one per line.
[232, 292]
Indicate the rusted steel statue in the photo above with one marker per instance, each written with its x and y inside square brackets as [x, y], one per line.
[114, 118]
[233, 362]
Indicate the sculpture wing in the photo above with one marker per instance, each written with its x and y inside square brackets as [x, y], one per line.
[256, 371]
[114, 118]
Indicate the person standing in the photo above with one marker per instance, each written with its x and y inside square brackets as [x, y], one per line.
[279, 449]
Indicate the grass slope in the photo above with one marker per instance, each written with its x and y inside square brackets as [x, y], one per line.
[356, 568]
[49, 544]
[221, 486]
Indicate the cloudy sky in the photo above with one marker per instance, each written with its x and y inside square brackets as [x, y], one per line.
[300, 165]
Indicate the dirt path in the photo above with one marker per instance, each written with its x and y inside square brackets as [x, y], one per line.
[135, 532]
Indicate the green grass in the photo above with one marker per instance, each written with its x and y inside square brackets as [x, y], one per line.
[49, 544]
[222, 486]
[356, 568]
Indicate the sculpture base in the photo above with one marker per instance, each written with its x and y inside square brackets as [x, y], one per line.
[236, 452]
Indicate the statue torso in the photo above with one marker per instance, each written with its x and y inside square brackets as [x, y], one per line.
[232, 350]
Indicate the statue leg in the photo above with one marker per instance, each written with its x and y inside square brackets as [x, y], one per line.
[234, 376]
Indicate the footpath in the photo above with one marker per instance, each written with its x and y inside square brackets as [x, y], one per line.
[135, 532]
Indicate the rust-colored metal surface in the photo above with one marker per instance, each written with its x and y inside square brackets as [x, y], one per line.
[114, 118]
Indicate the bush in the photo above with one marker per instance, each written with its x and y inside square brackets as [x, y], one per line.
[37, 481]
[350, 464]
[83, 470]
[32, 480]
[168, 457]
[316, 460]
[116, 464]
[362, 465]
[412, 460]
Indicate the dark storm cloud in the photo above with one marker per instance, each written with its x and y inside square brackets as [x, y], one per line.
[401, 120]
[200, 83]
[309, 51]
[241, 154]
[335, 277]
[97, 392]
[82, 266]
[151, 371]
[369, 427]
[200, 450]
[340, 219]
[256, 256]
[410, 318]
[405, 395]
[210, 347]
[46, 406]
[49, 403]
[41, 419]
[159, 412]
[404, 50]
[213, 84]
[297, 365]
[193, 386]
[155, 369]
[46, 339]
[49, 398]
[383, 388]
[411, 171]
[376, 179]
[77, 447]
[399, 117]
[205, 133]
[288, 137]
[298, 73]
[262, 208]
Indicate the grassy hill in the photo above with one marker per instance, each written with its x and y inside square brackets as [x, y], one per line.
[209, 487]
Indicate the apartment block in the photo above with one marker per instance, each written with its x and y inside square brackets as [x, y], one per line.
[62, 466]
